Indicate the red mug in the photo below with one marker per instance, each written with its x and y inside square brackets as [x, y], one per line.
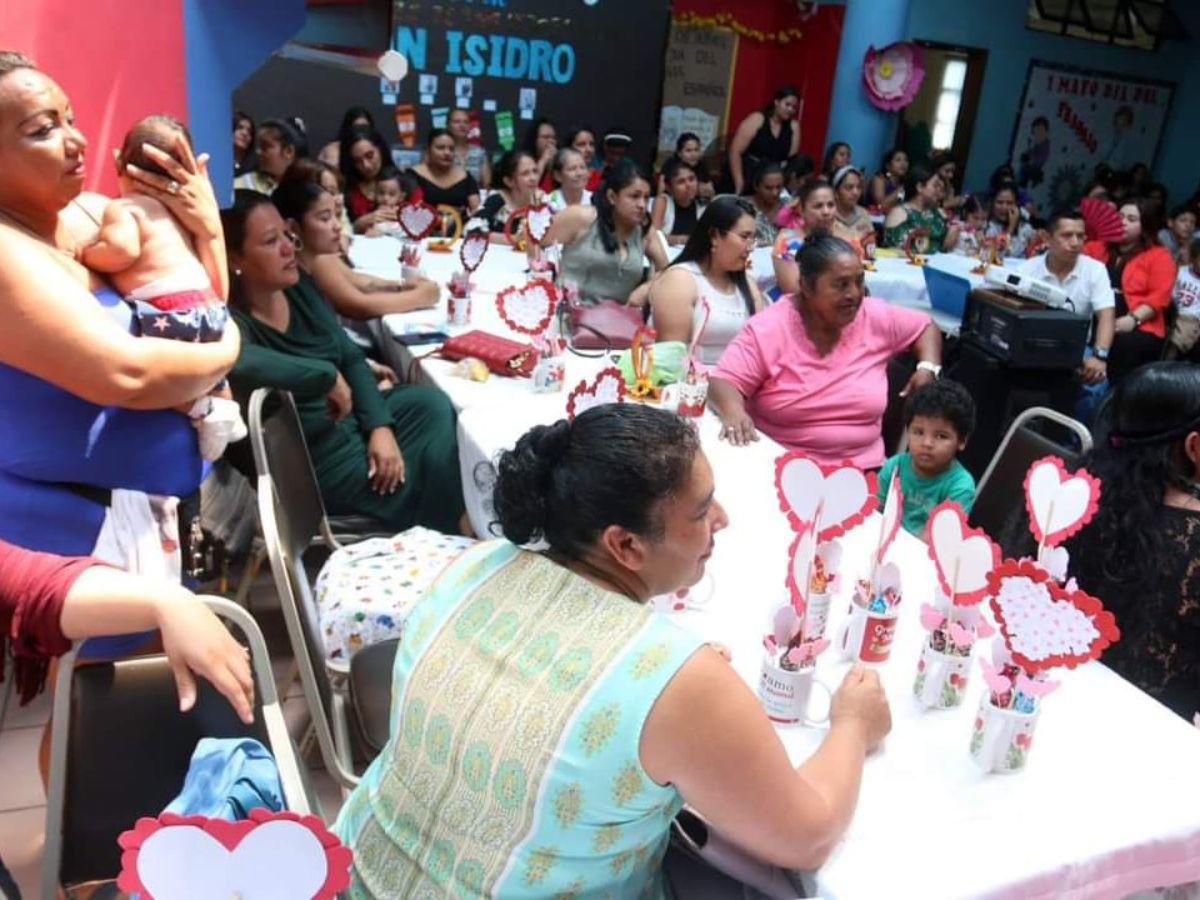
[867, 636]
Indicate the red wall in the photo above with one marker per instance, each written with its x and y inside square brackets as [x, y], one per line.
[117, 60]
[763, 66]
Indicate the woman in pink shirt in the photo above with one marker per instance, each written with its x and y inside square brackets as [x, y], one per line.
[811, 370]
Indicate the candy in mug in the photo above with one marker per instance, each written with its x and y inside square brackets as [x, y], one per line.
[1001, 738]
[786, 692]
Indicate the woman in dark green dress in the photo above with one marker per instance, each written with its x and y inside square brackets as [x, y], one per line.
[393, 455]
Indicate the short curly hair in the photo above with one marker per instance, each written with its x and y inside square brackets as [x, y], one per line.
[943, 399]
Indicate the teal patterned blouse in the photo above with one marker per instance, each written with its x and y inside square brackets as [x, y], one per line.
[519, 695]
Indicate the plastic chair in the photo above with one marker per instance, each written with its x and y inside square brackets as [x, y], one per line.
[999, 498]
[121, 748]
[292, 518]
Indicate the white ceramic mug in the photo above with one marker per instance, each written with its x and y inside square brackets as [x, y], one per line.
[1001, 738]
[941, 678]
[785, 693]
[459, 309]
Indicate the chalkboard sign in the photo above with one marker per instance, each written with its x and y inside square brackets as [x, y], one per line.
[697, 81]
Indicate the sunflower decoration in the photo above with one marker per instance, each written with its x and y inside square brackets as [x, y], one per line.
[891, 76]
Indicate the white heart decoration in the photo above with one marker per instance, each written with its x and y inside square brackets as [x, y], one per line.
[607, 387]
[962, 556]
[800, 561]
[528, 308]
[1056, 561]
[843, 494]
[892, 509]
[278, 860]
[474, 248]
[1058, 504]
[417, 219]
[537, 220]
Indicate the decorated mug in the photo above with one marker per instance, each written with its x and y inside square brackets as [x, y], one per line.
[941, 678]
[1001, 738]
[785, 693]
[459, 310]
[867, 636]
[549, 374]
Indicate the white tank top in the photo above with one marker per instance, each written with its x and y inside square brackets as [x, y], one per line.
[717, 318]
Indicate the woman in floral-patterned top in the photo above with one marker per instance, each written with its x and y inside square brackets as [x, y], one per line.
[921, 210]
[547, 725]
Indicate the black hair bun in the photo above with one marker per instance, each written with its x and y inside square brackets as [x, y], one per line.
[523, 477]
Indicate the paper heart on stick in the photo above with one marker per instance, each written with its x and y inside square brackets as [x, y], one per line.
[1044, 624]
[269, 856]
[537, 220]
[528, 308]
[474, 248]
[417, 219]
[607, 387]
[1058, 503]
[842, 495]
[893, 507]
[962, 556]
[801, 555]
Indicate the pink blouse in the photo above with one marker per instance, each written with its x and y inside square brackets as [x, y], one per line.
[829, 406]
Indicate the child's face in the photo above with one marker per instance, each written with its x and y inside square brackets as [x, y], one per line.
[1184, 226]
[977, 220]
[388, 193]
[933, 442]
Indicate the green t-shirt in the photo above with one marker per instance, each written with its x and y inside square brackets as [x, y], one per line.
[923, 494]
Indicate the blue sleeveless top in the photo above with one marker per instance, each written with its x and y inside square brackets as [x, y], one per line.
[50, 439]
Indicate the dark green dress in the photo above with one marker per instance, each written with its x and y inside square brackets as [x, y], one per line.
[305, 360]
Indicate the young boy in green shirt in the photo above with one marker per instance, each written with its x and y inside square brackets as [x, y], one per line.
[938, 419]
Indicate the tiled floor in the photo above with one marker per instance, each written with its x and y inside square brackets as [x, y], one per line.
[22, 799]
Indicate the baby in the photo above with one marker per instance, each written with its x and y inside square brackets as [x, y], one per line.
[149, 256]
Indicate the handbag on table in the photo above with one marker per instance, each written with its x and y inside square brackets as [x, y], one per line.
[605, 325]
[501, 355]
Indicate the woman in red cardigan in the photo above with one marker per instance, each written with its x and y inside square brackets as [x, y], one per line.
[1142, 274]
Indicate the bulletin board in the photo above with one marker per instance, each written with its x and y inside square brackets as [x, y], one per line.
[697, 85]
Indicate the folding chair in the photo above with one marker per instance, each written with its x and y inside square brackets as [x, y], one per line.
[999, 498]
[291, 520]
[120, 750]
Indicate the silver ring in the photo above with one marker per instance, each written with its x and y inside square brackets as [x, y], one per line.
[173, 187]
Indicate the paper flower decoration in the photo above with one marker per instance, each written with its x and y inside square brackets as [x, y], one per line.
[891, 76]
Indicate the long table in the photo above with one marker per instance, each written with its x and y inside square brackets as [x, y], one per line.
[1110, 800]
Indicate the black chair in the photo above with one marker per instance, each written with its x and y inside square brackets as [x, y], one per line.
[292, 518]
[1000, 498]
[121, 748]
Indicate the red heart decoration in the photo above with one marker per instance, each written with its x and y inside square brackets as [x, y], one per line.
[474, 247]
[607, 387]
[417, 219]
[801, 554]
[1059, 503]
[844, 493]
[528, 308]
[958, 549]
[537, 220]
[1045, 624]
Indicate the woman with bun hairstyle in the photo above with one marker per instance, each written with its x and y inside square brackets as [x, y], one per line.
[549, 725]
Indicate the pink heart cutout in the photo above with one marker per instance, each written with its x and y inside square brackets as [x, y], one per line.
[1059, 504]
[843, 493]
[528, 308]
[417, 219]
[607, 387]
[960, 551]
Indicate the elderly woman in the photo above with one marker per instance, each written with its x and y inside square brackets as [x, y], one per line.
[921, 210]
[393, 457]
[571, 175]
[549, 725]
[86, 407]
[705, 296]
[811, 370]
[605, 247]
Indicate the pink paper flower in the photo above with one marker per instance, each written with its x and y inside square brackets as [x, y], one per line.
[891, 76]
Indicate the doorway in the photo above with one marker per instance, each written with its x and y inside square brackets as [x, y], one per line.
[942, 114]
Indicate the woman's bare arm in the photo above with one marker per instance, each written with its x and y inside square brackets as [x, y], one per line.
[672, 303]
[336, 281]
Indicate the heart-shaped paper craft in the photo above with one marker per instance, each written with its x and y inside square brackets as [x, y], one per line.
[1036, 688]
[801, 555]
[269, 856]
[892, 509]
[996, 682]
[1044, 624]
[1058, 503]
[474, 247]
[607, 387]
[807, 651]
[537, 220]
[961, 636]
[843, 494]
[931, 617]
[528, 308]
[417, 219]
[962, 556]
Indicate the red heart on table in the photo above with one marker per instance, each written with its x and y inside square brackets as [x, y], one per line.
[474, 248]
[528, 308]
[270, 854]
[1058, 503]
[843, 494]
[607, 387]
[417, 219]
[961, 552]
[537, 220]
[1044, 624]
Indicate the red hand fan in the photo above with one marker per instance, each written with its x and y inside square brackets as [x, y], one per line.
[1101, 220]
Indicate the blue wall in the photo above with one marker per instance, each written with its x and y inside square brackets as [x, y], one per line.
[1000, 29]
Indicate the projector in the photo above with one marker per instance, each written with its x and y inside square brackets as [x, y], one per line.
[1023, 286]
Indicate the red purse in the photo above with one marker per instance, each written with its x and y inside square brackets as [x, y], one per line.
[500, 355]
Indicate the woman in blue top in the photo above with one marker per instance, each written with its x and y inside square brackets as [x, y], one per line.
[86, 406]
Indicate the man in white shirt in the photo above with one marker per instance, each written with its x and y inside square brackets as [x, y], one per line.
[1086, 282]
